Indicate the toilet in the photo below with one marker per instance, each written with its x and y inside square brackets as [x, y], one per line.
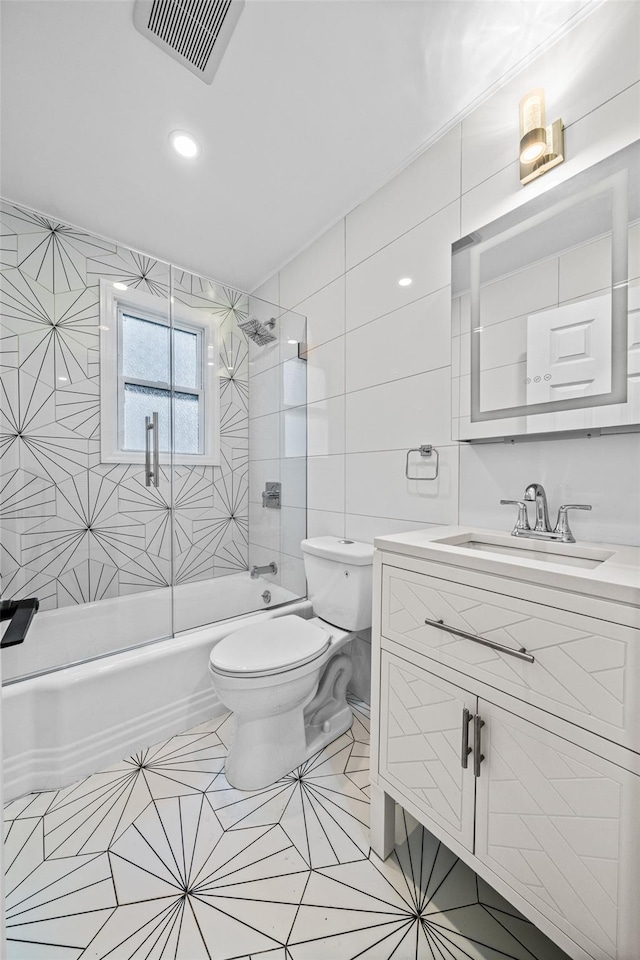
[285, 679]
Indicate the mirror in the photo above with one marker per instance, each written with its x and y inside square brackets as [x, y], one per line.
[546, 311]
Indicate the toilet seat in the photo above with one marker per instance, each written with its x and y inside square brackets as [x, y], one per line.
[269, 647]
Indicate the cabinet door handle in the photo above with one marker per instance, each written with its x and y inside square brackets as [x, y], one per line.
[466, 749]
[478, 757]
[521, 654]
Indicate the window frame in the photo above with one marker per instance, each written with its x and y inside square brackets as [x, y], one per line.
[114, 305]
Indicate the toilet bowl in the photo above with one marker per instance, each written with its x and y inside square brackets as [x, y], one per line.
[286, 679]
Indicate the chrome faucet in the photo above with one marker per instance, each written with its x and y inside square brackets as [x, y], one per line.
[542, 530]
[535, 492]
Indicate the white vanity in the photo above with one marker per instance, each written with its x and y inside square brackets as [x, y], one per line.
[506, 719]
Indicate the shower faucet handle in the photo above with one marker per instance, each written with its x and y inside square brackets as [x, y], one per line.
[271, 494]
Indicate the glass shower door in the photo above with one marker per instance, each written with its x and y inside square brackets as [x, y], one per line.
[210, 471]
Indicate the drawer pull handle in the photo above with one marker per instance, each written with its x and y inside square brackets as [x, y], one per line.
[466, 749]
[478, 757]
[521, 654]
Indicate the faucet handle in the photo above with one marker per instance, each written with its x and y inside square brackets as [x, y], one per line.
[522, 523]
[562, 524]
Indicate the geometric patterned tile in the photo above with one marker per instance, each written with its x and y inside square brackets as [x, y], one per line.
[323, 812]
[60, 903]
[199, 870]
[178, 865]
[90, 816]
[103, 544]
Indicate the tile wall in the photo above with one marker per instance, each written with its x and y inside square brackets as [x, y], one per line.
[379, 361]
[74, 529]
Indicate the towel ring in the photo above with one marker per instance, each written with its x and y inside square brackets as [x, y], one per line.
[425, 450]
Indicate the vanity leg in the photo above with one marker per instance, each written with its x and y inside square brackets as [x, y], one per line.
[382, 829]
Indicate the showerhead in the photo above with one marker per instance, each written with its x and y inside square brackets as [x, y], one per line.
[258, 331]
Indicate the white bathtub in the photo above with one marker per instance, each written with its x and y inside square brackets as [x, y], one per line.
[74, 634]
[66, 724]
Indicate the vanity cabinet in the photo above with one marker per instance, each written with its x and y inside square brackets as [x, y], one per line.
[528, 765]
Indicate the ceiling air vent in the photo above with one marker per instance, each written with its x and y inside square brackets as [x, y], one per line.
[193, 32]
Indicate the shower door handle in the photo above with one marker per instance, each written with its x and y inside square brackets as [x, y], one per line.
[156, 451]
[151, 472]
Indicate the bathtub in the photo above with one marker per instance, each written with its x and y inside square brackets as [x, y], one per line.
[74, 634]
[68, 722]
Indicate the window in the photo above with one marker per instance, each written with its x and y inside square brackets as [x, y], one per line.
[137, 348]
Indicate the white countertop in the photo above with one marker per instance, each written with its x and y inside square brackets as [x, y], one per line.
[616, 577]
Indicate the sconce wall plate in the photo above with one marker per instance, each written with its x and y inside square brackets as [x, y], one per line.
[554, 155]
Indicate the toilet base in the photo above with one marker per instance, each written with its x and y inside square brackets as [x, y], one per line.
[318, 738]
[265, 748]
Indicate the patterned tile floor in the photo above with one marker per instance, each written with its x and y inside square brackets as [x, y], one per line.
[158, 857]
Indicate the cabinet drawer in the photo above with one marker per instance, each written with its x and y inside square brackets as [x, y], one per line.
[421, 729]
[560, 825]
[582, 667]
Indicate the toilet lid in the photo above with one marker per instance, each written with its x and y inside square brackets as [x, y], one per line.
[270, 646]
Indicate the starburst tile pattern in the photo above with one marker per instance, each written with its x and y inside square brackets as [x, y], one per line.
[82, 530]
[159, 858]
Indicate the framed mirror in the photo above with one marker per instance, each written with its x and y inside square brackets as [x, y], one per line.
[546, 311]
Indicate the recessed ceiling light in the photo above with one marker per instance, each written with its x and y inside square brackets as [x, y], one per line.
[293, 341]
[184, 144]
[120, 286]
[405, 282]
[63, 379]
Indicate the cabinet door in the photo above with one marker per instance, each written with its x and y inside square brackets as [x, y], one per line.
[560, 825]
[422, 723]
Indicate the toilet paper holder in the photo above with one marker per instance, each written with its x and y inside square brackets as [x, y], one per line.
[425, 450]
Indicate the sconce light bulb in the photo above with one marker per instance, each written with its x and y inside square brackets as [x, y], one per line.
[533, 134]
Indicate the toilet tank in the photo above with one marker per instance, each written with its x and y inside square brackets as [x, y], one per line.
[340, 579]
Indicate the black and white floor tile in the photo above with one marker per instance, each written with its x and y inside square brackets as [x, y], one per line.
[159, 857]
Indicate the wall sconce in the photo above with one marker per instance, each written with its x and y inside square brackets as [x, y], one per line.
[541, 146]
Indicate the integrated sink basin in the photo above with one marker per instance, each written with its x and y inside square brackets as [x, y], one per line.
[592, 571]
[545, 551]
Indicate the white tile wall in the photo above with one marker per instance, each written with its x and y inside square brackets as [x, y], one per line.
[325, 483]
[428, 184]
[324, 523]
[408, 341]
[326, 427]
[325, 370]
[325, 313]
[314, 268]
[376, 486]
[379, 364]
[423, 254]
[400, 414]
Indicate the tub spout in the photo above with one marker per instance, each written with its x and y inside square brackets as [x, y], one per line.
[267, 568]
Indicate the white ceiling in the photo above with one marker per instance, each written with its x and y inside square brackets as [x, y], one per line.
[315, 105]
